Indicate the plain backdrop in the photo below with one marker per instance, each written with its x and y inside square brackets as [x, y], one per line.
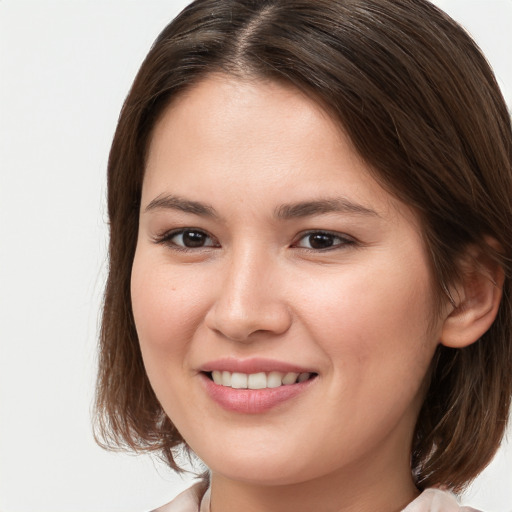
[65, 68]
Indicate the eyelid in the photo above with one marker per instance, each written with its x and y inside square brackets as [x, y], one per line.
[166, 237]
[346, 240]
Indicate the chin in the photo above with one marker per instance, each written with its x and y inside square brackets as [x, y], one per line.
[258, 465]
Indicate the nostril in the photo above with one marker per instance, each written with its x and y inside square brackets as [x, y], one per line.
[243, 317]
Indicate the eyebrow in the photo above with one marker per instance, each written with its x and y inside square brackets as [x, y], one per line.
[321, 206]
[179, 203]
[284, 211]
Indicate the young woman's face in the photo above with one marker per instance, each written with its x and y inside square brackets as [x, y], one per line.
[267, 252]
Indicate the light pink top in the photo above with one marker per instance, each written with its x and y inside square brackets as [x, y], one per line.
[430, 500]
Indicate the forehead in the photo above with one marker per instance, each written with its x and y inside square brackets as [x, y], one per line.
[267, 137]
[221, 106]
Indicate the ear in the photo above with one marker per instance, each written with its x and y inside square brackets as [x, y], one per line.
[477, 298]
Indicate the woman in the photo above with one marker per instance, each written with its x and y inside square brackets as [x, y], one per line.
[310, 255]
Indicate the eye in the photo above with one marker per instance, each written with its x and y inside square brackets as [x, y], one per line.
[187, 239]
[323, 240]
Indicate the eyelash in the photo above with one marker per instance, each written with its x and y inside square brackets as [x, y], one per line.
[343, 240]
[166, 239]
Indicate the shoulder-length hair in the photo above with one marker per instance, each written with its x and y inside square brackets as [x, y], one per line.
[421, 106]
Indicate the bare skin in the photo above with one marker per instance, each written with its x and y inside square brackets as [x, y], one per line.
[263, 235]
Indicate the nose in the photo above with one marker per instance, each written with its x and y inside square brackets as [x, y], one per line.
[249, 298]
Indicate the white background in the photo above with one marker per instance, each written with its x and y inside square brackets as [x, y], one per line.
[65, 68]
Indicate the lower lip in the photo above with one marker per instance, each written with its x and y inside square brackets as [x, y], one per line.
[253, 401]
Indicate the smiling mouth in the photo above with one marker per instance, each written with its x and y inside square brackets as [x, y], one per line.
[261, 380]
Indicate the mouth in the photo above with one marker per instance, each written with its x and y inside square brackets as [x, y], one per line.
[260, 380]
[256, 385]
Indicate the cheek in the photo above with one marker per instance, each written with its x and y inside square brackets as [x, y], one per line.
[166, 305]
[167, 309]
[374, 328]
[377, 319]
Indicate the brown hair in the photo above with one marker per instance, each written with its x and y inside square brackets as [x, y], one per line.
[422, 107]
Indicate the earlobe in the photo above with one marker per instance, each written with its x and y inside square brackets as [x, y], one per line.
[477, 298]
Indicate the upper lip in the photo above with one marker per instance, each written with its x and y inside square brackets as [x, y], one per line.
[252, 365]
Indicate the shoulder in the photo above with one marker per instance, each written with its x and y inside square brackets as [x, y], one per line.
[195, 499]
[436, 500]
[188, 501]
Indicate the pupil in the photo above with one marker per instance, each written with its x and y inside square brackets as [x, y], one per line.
[193, 239]
[320, 241]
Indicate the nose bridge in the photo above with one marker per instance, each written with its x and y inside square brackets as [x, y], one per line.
[248, 269]
[249, 298]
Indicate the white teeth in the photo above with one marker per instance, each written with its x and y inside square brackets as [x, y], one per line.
[239, 380]
[274, 379]
[259, 380]
[226, 378]
[290, 378]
